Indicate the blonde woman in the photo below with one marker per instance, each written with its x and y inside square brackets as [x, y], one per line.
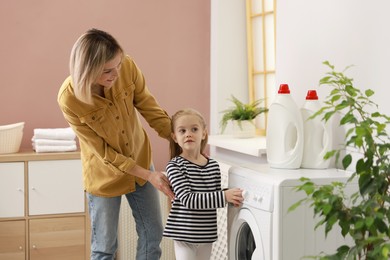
[196, 182]
[101, 101]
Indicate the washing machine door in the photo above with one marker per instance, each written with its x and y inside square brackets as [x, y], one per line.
[245, 239]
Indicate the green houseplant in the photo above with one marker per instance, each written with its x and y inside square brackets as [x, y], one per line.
[365, 215]
[241, 112]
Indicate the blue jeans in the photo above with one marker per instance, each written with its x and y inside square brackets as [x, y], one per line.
[104, 214]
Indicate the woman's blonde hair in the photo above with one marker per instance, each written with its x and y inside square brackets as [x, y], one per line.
[87, 59]
[174, 148]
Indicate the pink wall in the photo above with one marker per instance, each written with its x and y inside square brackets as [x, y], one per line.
[169, 40]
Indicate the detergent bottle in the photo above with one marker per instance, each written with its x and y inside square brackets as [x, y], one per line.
[317, 134]
[284, 135]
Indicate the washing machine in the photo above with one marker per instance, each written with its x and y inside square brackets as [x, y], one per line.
[263, 228]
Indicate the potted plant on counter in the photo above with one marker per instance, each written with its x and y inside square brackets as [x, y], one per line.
[365, 216]
[242, 117]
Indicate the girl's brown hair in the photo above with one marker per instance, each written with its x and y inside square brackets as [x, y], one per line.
[174, 148]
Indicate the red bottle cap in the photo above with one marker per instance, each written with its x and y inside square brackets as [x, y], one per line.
[311, 95]
[284, 89]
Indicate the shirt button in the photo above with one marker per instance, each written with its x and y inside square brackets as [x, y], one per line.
[110, 104]
[117, 117]
[123, 131]
[127, 144]
[93, 118]
[126, 93]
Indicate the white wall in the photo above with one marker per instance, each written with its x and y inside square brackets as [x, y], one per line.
[228, 57]
[345, 32]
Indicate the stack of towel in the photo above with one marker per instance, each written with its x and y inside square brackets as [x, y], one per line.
[46, 140]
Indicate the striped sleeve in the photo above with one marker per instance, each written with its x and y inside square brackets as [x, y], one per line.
[196, 189]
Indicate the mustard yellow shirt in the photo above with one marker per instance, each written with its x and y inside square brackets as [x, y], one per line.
[112, 139]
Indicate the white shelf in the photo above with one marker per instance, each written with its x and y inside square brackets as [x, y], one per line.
[255, 146]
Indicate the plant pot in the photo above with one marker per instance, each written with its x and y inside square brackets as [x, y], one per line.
[244, 128]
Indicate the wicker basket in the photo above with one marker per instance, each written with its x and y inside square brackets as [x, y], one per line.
[11, 137]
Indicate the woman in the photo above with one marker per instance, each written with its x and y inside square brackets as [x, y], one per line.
[101, 100]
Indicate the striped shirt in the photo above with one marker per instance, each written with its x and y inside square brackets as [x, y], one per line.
[193, 215]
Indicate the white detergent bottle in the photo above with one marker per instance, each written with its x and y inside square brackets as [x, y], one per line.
[284, 132]
[317, 134]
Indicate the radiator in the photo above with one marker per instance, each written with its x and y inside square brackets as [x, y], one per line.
[127, 235]
[220, 247]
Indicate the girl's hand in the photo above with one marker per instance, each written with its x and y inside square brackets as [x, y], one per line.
[234, 196]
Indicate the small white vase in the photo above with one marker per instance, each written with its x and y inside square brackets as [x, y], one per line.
[244, 128]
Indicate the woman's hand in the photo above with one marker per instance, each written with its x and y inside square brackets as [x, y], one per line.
[160, 181]
[234, 196]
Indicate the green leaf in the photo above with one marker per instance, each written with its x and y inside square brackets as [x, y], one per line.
[348, 118]
[342, 105]
[295, 205]
[325, 80]
[329, 154]
[328, 64]
[327, 208]
[369, 92]
[347, 161]
[385, 252]
[365, 180]
[350, 90]
[328, 115]
[375, 114]
[335, 98]
[307, 187]
[359, 224]
[345, 227]
[369, 221]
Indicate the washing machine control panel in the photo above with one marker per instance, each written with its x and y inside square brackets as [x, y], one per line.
[256, 194]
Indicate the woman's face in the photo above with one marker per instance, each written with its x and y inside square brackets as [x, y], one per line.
[110, 72]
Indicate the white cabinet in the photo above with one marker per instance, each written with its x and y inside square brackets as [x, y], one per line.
[12, 189]
[55, 187]
[42, 207]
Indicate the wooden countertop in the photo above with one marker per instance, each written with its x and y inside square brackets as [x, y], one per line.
[30, 155]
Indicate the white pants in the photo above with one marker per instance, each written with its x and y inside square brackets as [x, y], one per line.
[189, 251]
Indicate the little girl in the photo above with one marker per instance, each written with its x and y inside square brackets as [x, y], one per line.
[196, 182]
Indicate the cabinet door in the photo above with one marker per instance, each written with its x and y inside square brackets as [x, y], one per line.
[12, 240]
[55, 187]
[11, 189]
[57, 238]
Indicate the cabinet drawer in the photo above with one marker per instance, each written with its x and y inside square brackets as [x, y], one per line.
[12, 240]
[55, 187]
[12, 189]
[57, 238]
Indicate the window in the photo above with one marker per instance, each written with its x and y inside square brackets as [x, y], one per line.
[261, 54]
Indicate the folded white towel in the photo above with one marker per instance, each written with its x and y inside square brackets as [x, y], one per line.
[52, 142]
[52, 149]
[55, 133]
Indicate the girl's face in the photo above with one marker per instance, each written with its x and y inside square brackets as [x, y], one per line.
[189, 133]
[110, 72]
